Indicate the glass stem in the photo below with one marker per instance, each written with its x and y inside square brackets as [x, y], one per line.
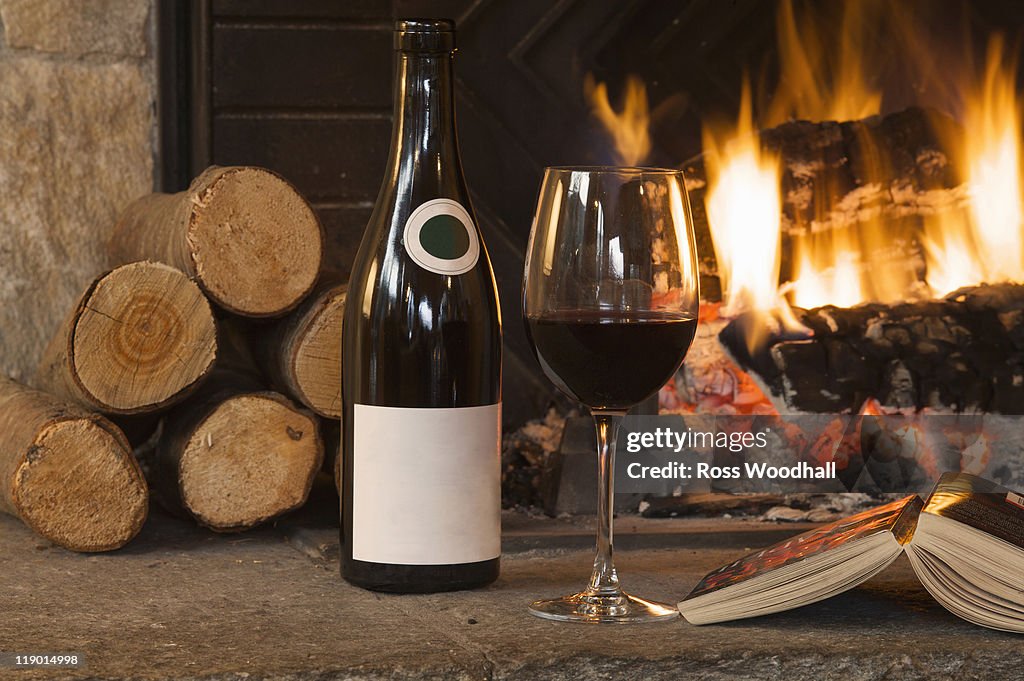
[604, 581]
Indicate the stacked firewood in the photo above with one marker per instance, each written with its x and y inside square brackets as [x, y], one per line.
[206, 362]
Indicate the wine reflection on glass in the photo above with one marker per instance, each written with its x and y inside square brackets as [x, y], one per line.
[610, 299]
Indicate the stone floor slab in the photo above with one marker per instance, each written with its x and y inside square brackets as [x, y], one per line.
[183, 603]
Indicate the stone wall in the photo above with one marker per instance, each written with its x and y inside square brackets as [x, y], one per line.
[77, 129]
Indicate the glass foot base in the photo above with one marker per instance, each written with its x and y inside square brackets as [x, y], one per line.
[617, 608]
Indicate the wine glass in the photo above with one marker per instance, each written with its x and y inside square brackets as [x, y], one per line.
[610, 300]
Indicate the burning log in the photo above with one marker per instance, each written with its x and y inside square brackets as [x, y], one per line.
[962, 353]
[890, 170]
[245, 234]
[67, 473]
[141, 337]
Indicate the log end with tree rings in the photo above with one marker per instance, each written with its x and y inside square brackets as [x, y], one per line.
[253, 457]
[141, 337]
[79, 487]
[255, 242]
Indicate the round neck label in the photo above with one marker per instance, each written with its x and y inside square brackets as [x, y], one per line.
[440, 237]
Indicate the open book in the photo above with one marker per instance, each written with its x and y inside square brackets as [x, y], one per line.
[966, 544]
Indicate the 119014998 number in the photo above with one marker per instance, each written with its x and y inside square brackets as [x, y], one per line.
[46, 660]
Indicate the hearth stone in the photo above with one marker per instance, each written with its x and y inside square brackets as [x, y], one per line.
[311, 625]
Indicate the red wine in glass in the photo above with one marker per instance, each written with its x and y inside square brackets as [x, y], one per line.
[610, 299]
[610, 361]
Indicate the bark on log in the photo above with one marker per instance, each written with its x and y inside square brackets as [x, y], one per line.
[302, 354]
[68, 474]
[247, 236]
[141, 337]
[232, 460]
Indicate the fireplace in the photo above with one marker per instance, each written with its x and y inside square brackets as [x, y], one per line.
[853, 171]
[320, 113]
[849, 268]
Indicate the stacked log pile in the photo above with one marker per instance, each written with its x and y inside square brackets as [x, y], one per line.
[214, 341]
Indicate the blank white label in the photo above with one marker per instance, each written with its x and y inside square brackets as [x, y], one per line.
[426, 485]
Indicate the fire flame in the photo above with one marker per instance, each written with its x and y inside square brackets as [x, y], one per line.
[629, 129]
[820, 82]
[817, 83]
[744, 209]
[985, 242]
[826, 78]
[826, 274]
[975, 236]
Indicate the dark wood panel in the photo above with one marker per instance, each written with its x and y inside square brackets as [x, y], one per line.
[448, 9]
[310, 9]
[343, 226]
[301, 66]
[526, 391]
[332, 159]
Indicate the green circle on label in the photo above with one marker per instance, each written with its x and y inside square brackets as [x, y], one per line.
[445, 237]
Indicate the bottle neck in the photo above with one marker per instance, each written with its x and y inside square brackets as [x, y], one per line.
[424, 110]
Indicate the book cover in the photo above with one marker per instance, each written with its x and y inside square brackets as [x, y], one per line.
[898, 517]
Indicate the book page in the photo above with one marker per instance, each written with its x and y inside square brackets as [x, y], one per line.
[981, 504]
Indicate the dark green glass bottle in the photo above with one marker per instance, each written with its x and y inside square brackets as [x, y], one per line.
[421, 349]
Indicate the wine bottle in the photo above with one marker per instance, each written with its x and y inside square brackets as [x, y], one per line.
[421, 387]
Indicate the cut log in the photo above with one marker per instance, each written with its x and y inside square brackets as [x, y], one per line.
[67, 473]
[233, 460]
[248, 237]
[141, 337]
[302, 354]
